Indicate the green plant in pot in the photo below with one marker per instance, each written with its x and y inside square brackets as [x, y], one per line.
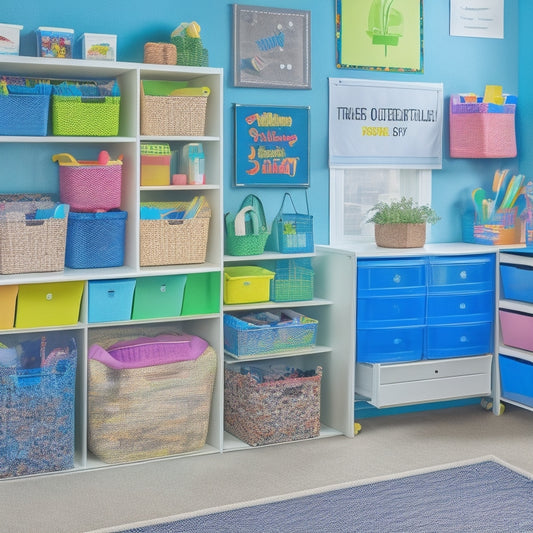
[401, 223]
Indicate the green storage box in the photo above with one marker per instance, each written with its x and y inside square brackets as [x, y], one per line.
[158, 296]
[202, 294]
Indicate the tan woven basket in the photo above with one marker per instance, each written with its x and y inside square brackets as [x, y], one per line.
[160, 53]
[400, 235]
[154, 411]
[174, 242]
[32, 245]
[173, 115]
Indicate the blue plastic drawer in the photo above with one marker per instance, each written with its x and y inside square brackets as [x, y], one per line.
[461, 307]
[110, 300]
[461, 273]
[516, 380]
[517, 282]
[391, 311]
[458, 340]
[385, 345]
[376, 277]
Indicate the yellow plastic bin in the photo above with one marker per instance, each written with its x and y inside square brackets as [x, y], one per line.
[155, 164]
[48, 304]
[246, 284]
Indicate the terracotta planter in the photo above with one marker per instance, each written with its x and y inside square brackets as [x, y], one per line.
[400, 235]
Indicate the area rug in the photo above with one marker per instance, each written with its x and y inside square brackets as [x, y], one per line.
[485, 496]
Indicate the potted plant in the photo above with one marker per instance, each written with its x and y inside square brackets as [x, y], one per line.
[401, 223]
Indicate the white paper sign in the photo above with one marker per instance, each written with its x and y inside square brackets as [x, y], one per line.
[385, 124]
[476, 18]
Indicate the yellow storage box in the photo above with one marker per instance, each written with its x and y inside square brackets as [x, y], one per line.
[48, 304]
[8, 300]
[246, 284]
[155, 164]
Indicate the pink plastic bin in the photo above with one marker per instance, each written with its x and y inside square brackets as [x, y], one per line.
[89, 186]
[480, 130]
[516, 330]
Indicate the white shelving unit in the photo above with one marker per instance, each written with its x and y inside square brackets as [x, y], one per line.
[36, 173]
[333, 306]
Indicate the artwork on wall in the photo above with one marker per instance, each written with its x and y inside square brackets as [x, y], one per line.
[271, 47]
[271, 146]
[383, 35]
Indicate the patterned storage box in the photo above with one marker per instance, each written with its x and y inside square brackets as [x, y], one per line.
[37, 413]
[90, 185]
[271, 411]
[95, 240]
[272, 331]
[162, 388]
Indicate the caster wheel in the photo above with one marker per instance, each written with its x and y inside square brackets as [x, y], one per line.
[357, 428]
[486, 403]
[501, 410]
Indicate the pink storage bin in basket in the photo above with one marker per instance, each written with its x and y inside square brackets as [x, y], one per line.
[481, 130]
[89, 186]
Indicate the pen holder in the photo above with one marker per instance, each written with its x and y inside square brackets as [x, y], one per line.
[505, 227]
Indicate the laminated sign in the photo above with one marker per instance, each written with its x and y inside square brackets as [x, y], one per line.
[385, 124]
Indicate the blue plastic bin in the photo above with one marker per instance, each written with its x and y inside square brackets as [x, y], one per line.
[110, 300]
[517, 282]
[516, 380]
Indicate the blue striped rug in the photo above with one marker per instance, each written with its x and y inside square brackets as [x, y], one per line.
[482, 497]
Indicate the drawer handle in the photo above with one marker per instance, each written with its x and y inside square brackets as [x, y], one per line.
[49, 296]
[462, 305]
[397, 278]
[436, 371]
[163, 288]
[463, 338]
[463, 274]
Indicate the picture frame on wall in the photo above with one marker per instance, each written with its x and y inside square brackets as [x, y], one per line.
[380, 35]
[271, 47]
[271, 146]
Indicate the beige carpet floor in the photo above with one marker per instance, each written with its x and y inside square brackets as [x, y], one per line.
[103, 498]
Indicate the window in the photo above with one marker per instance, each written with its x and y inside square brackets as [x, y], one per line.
[354, 191]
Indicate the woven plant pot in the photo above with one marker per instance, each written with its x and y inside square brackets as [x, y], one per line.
[400, 235]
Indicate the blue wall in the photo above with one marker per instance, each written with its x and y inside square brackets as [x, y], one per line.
[461, 64]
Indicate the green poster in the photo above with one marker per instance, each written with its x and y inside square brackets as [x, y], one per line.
[380, 35]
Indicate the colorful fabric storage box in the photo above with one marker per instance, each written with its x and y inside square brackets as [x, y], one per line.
[273, 331]
[86, 108]
[293, 280]
[516, 379]
[162, 387]
[272, 411]
[246, 284]
[8, 300]
[48, 304]
[482, 130]
[95, 240]
[158, 296]
[90, 185]
[54, 42]
[517, 282]
[155, 164]
[515, 329]
[175, 241]
[173, 115]
[110, 300]
[37, 412]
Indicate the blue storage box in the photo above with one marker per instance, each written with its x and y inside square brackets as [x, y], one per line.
[110, 300]
[464, 273]
[516, 380]
[386, 345]
[460, 307]
[37, 409]
[402, 276]
[517, 282]
[459, 340]
[24, 114]
[95, 240]
[388, 311]
[158, 296]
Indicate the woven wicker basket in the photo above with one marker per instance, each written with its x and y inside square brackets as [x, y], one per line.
[152, 411]
[173, 115]
[32, 245]
[274, 411]
[160, 53]
[400, 235]
[174, 242]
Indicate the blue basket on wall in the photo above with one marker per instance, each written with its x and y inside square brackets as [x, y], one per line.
[95, 240]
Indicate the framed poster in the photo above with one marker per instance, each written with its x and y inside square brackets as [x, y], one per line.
[384, 35]
[271, 146]
[271, 47]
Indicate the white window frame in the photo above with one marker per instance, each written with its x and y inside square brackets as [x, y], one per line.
[419, 189]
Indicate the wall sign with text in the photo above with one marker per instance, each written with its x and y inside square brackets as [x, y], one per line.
[385, 124]
[271, 146]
